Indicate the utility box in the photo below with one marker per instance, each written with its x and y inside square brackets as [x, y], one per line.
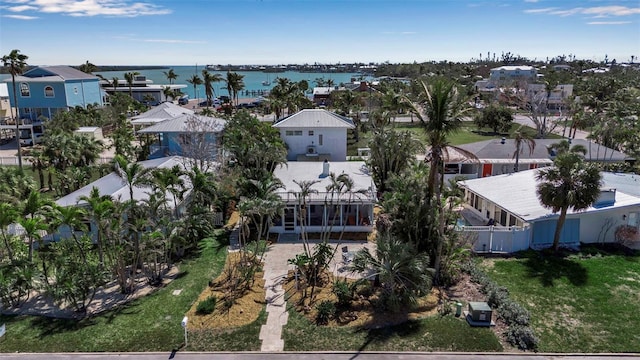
[480, 311]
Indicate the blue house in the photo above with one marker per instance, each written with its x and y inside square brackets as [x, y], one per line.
[46, 90]
[188, 135]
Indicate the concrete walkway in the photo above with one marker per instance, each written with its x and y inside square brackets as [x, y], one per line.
[275, 272]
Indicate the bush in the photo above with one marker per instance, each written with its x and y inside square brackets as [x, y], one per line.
[513, 314]
[206, 306]
[343, 292]
[522, 337]
[497, 296]
[326, 310]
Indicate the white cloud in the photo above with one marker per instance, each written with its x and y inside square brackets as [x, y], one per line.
[608, 22]
[110, 8]
[20, 17]
[531, 1]
[594, 12]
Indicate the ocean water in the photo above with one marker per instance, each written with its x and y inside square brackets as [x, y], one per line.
[252, 79]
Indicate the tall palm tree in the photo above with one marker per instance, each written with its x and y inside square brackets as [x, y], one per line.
[16, 63]
[114, 83]
[100, 210]
[209, 81]
[569, 183]
[235, 84]
[520, 137]
[33, 228]
[171, 75]
[130, 76]
[440, 109]
[8, 215]
[195, 81]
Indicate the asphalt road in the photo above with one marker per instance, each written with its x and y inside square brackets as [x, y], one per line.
[315, 356]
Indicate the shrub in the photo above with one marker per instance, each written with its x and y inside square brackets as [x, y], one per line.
[206, 306]
[344, 292]
[522, 337]
[513, 314]
[326, 310]
[497, 296]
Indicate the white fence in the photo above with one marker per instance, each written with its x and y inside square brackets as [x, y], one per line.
[498, 239]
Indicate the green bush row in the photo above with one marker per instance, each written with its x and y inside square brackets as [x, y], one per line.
[513, 314]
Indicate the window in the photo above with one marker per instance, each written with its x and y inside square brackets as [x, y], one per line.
[310, 132]
[512, 220]
[48, 91]
[75, 90]
[503, 217]
[293, 133]
[320, 139]
[24, 90]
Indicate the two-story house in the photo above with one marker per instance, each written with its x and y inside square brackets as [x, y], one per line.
[46, 90]
[315, 135]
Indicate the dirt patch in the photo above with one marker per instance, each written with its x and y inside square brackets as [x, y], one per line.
[244, 310]
[361, 312]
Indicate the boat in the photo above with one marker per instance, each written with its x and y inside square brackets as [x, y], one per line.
[266, 82]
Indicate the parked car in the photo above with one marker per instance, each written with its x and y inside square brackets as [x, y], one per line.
[29, 141]
[183, 100]
[213, 102]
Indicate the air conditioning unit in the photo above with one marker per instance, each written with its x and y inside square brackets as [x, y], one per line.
[480, 311]
[311, 151]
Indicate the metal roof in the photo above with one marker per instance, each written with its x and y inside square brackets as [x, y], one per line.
[162, 112]
[517, 193]
[113, 185]
[312, 171]
[187, 123]
[315, 118]
[63, 72]
[494, 149]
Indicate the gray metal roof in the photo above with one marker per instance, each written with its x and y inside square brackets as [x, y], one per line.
[64, 72]
[162, 112]
[312, 170]
[113, 186]
[187, 123]
[494, 149]
[315, 118]
[517, 194]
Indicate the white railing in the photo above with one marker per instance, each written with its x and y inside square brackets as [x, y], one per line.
[498, 239]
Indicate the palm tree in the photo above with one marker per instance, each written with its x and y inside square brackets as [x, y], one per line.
[195, 81]
[114, 83]
[8, 215]
[130, 76]
[16, 63]
[171, 75]
[131, 174]
[209, 80]
[100, 210]
[520, 137]
[235, 84]
[569, 183]
[440, 110]
[33, 228]
[302, 197]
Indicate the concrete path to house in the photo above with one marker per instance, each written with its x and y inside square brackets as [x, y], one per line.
[275, 273]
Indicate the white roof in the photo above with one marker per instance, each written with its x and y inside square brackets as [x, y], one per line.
[516, 193]
[162, 112]
[89, 129]
[312, 171]
[181, 124]
[113, 186]
[514, 67]
[315, 118]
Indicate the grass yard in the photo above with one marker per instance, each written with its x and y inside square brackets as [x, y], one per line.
[585, 302]
[468, 133]
[434, 333]
[151, 323]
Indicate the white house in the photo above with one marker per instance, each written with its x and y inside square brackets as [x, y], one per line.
[325, 210]
[511, 201]
[141, 89]
[513, 73]
[160, 113]
[315, 135]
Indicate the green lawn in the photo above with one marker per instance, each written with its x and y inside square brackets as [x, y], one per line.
[151, 323]
[582, 303]
[468, 133]
[431, 334]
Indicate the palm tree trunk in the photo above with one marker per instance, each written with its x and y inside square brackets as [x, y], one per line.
[559, 226]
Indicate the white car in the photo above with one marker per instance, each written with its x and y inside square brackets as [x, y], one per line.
[30, 141]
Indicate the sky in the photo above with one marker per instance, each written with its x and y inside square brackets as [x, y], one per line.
[188, 32]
